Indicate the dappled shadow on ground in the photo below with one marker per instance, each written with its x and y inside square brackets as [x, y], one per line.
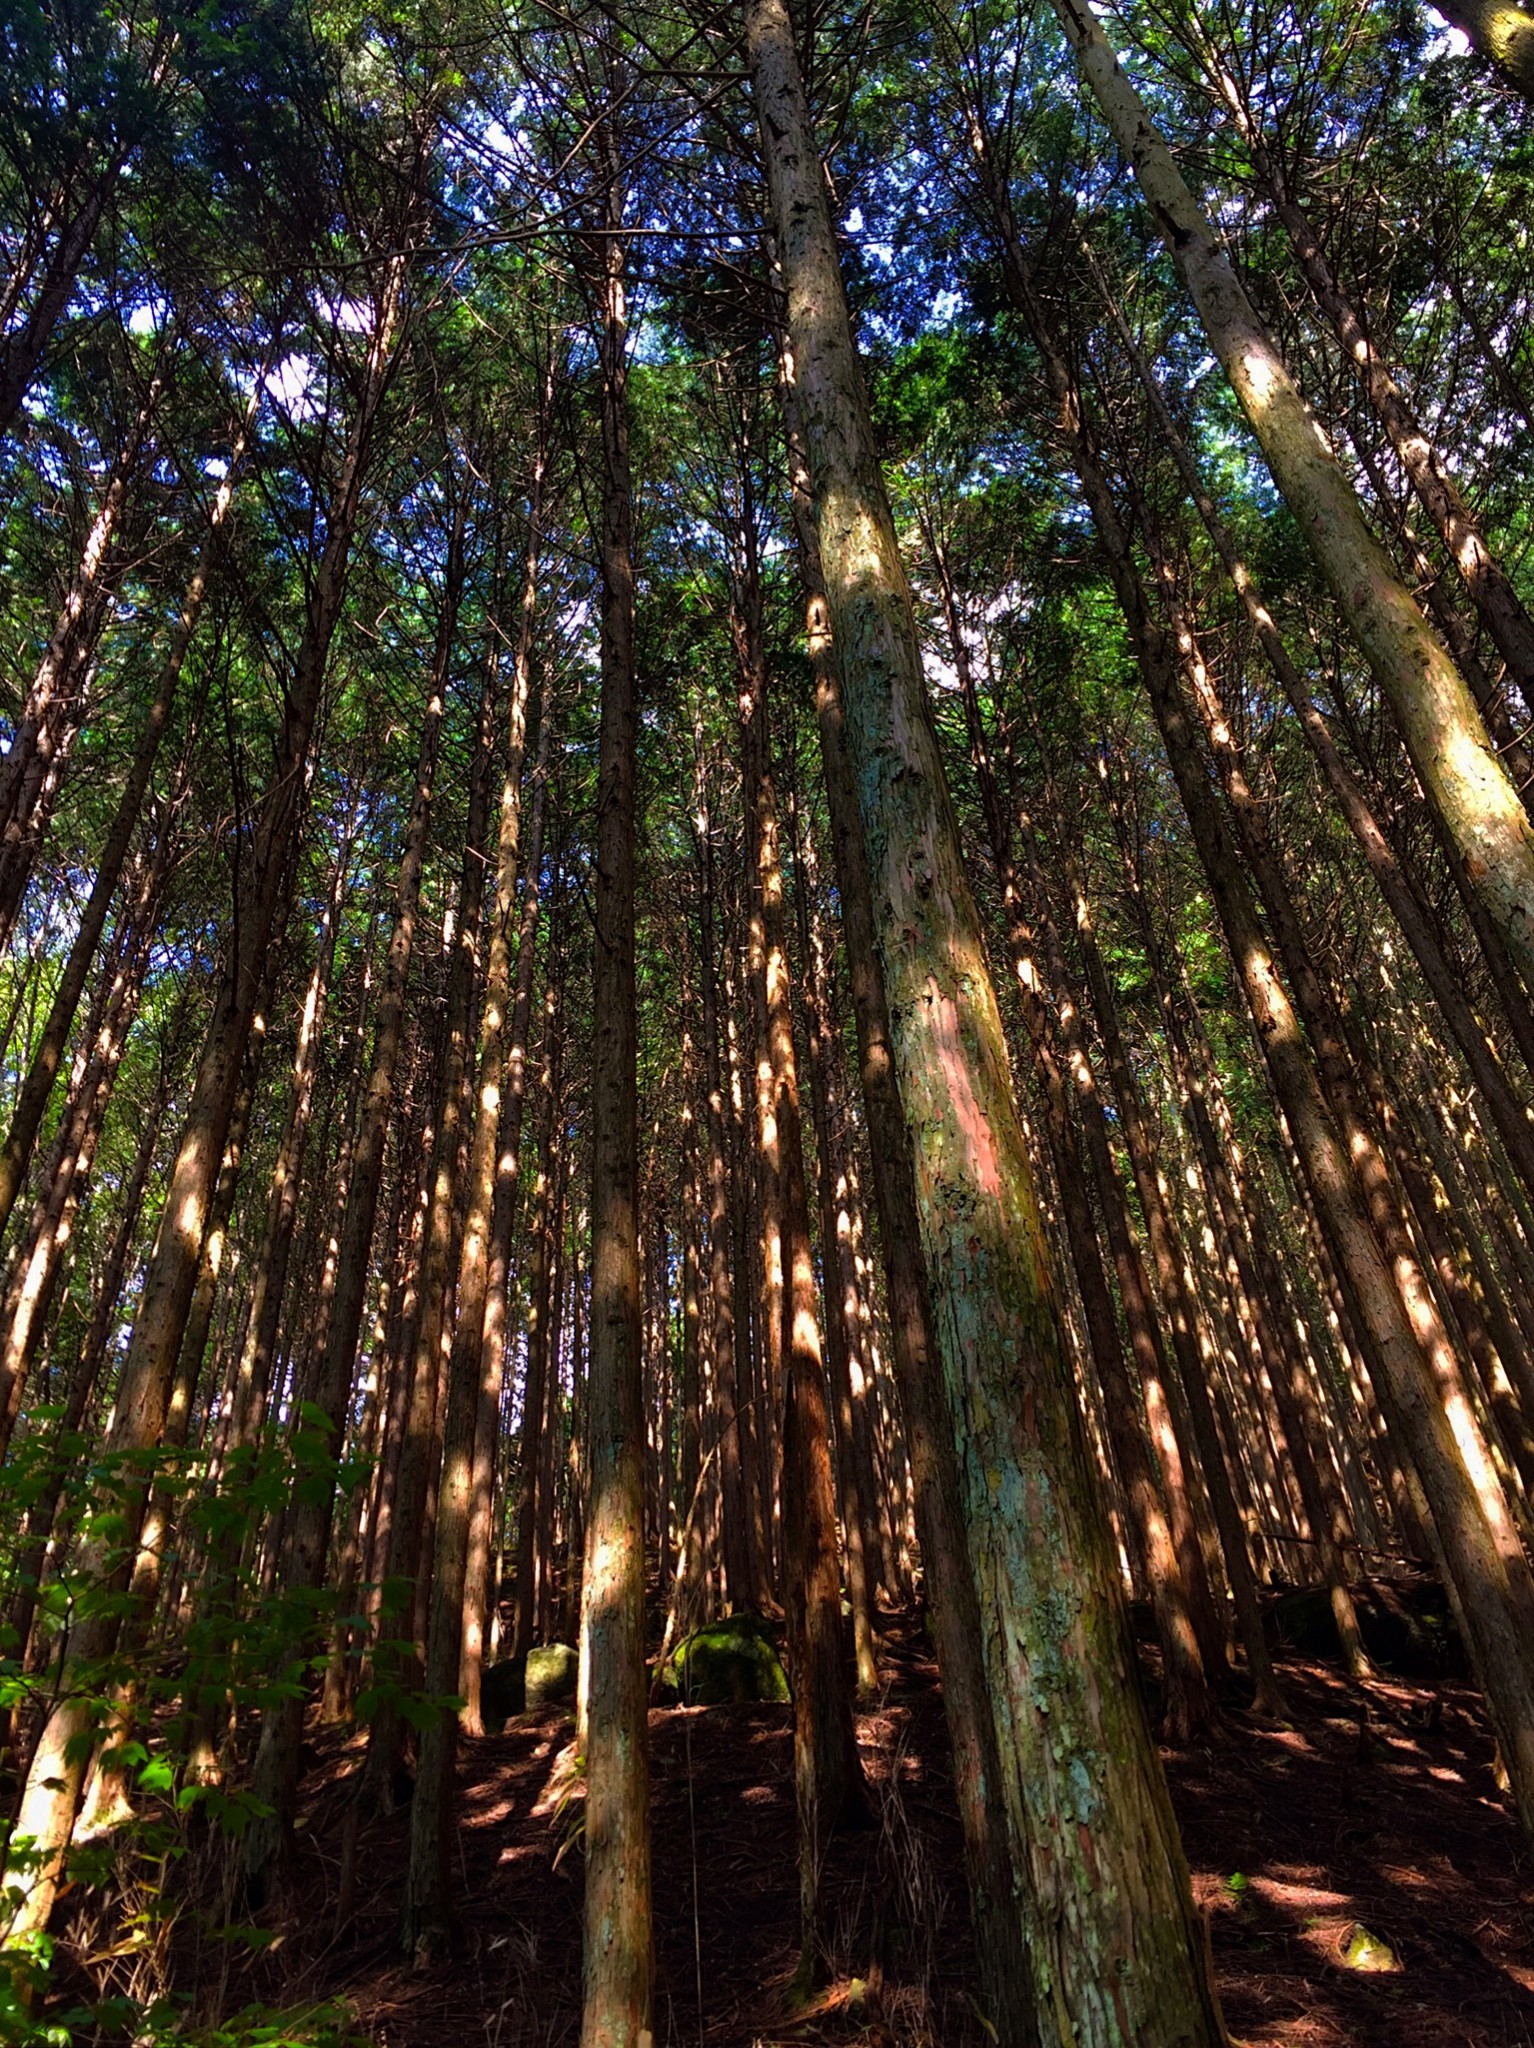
[897, 1947]
[1375, 1810]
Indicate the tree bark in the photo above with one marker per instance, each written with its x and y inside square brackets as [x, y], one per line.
[1395, 883]
[540, 1261]
[1502, 35]
[487, 1436]
[82, 1387]
[32, 1102]
[734, 1533]
[45, 711]
[1426, 468]
[617, 1966]
[1190, 1709]
[1000, 1939]
[827, 1774]
[1459, 768]
[1105, 1893]
[427, 1907]
[854, 1468]
[412, 1536]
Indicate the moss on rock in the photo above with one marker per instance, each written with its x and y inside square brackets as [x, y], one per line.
[1365, 1951]
[553, 1672]
[546, 1677]
[727, 1663]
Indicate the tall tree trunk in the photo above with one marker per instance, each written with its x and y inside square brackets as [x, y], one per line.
[39, 1258]
[32, 1102]
[1459, 768]
[21, 350]
[734, 1533]
[1190, 1709]
[269, 1283]
[689, 1594]
[427, 1905]
[1395, 884]
[412, 1536]
[400, 1422]
[252, 1372]
[1426, 467]
[1000, 1940]
[827, 1775]
[106, 1803]
[853, 1466]
[1501, 33]
[487, 1435]
[1000, 1935]
[554, 1500]
[540, 1232]
[44, 713]
[82, 1387]
[1064, 1693]
[617, 1966]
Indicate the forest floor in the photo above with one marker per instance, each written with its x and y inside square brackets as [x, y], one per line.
[1374, 1809]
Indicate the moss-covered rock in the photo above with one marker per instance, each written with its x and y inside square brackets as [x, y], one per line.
[546, 1677]
[553, 1672]
[1365, 1951]
[728, 1662]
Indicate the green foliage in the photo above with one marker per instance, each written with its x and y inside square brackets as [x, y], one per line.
[164, 2023]
[142, 1867]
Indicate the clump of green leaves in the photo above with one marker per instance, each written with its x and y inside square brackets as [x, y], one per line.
[107, 1974]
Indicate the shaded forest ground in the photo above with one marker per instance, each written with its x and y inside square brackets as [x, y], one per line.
[1376, 1810]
